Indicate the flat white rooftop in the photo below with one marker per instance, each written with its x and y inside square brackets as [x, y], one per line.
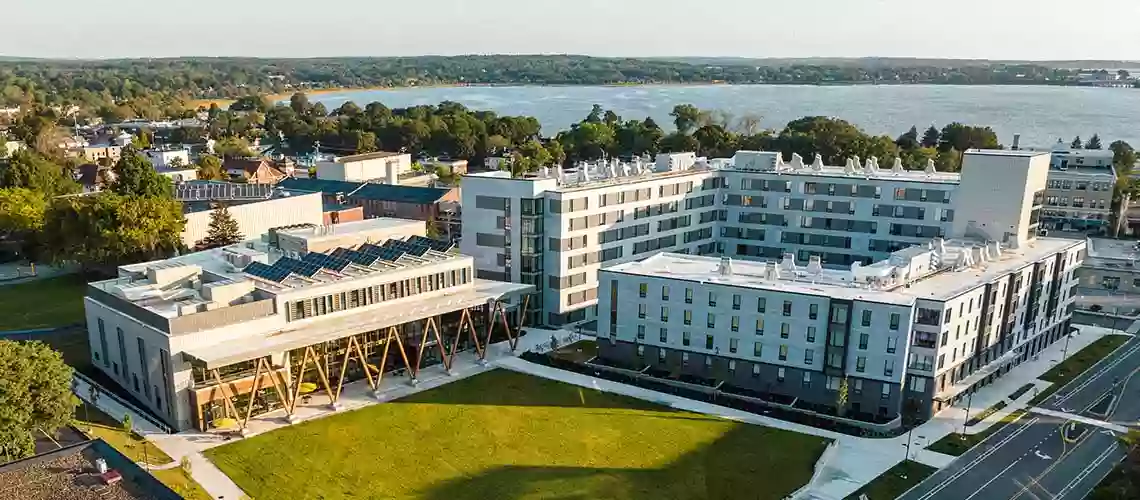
[1108, 253]
[313, 233]
[920, 272]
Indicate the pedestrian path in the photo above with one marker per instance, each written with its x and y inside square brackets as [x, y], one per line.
[1081, 418]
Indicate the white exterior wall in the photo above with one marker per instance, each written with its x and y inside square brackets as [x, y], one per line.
[256, 219]
[162, 159]
[996, 194]
[363, 170]
[881, 337]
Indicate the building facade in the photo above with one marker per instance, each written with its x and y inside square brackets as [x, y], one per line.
[908, 335]
[379, 166]
[1078, 196]
[255, 218]
[557, 229]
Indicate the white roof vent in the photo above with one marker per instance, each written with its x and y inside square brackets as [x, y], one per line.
[815, 265]
[858, 164]
[788, 263]
[897, 169]
[930, 170]
[725, 267]
[849, 168]
[797, 161]
[779, 160]
[817, 164]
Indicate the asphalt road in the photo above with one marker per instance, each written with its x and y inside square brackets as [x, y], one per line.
[1048, 457]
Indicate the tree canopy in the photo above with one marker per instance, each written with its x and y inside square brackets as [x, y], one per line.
[106, 229]
[28, 169]
[223, 230]
[135, 176]
[35, 395]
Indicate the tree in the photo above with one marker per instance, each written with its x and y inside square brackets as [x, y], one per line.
[128, 424]
[841, 398]
[1093, 142]
[931, 137]
[715, 141]
[916, 159]
[962, 137]
[1123, 156]
[223, 230]
[134, 176]
[300, 103]
[251, 103]
[103, 230]
[143, 140]
[686, 117]
[948, 161]
[22, 217]
[679, 143]
[210, 168]
[176, 163]
[35, 395]
[1076, 144]
[3, 146]
[28, 169]
[909, 140]
[233, 147]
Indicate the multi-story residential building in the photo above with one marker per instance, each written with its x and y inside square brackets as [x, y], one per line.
[909, 334]
[235, 332]
[1078, 196]
[559, 228]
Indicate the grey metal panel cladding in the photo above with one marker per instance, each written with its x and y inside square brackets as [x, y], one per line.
[490, 240]
[865, 191]
[490, 202]
[796, 204]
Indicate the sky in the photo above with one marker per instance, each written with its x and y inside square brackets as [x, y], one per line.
[974, 29]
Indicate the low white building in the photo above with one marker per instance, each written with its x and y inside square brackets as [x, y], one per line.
[379, 166]
[167, 158]
[211, 339]
[255, 217]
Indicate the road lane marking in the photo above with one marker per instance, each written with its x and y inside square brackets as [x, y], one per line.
[992, 479]
[1085, 472]
[1042, 456]
[979, 459]
[1061, 398]
[1065, 453]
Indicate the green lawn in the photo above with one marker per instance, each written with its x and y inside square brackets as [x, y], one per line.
[895, 481]
[956, 444]
[44, 303]
[1073, 367]
[580, 351]
[503, 435]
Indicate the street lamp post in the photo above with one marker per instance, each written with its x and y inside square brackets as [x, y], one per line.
[969, 402]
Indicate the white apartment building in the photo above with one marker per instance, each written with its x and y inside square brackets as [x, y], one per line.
[558, 228]
[909, 334]
[210, 338]
[377, 166]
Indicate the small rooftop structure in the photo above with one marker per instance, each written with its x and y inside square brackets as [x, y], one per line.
[938, 270]
[369, 191]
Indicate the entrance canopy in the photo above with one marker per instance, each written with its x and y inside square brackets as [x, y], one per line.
[275, 341]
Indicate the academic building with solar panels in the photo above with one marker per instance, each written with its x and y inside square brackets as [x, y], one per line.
[256, 329]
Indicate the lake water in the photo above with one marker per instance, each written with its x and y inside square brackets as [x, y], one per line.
[1040, 114]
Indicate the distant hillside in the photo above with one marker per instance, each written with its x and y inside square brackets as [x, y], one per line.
[892, 62]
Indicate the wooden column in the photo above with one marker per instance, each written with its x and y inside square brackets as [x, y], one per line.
[465, 322]
[222, 388]
[252, 391]
[431, 325]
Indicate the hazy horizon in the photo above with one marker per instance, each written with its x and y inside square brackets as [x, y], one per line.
[1030, 30]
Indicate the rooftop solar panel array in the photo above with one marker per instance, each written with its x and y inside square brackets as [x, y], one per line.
[437, 245]
[405, 247]
[327, 261]
[367, 255]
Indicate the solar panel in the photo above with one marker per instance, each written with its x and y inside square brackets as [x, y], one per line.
[326, 261]
[361, 258]
[403, 246]
[221, 191]
[437, 245]
[271, 273]
[298, 267]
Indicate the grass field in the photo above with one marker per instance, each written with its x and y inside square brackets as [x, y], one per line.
[100, 425]
[44, 303]
[504, 435]
[895, 481]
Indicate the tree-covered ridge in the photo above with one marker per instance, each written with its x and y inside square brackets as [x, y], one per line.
[159, 80]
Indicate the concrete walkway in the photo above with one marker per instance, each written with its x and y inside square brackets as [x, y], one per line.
[1082, 419]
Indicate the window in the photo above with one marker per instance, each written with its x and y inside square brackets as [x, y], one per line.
[732, 366]
[755, 370]
[641, 351]
[759, 326]
[665, 292]
[783, 352]
[710, 320]
[861, 364]
[116, 365]
[807, 379]
[813, 311]
[833, 383]
[787, 308]
[642, 290]
[888, 368]
[664, 314]
[757, 349]
[735, 302]
[864, 339]
[661, 355]
[708, 341]
[684, 359]
[664, 337]
[811, 334]
[688, 317]
[736, 323]
[918, 384]
[892, 344]
[886, 391]
[784, 330]
[941, 360]
[895, 320]
[761, 304]
[732, 345]
[866, 318]
[708, 361]
[858, 386]
[685, 338]
[780, 374]
[945, 337]
[640, 332]
[712, 299]
[809, 356]
[641, 311]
